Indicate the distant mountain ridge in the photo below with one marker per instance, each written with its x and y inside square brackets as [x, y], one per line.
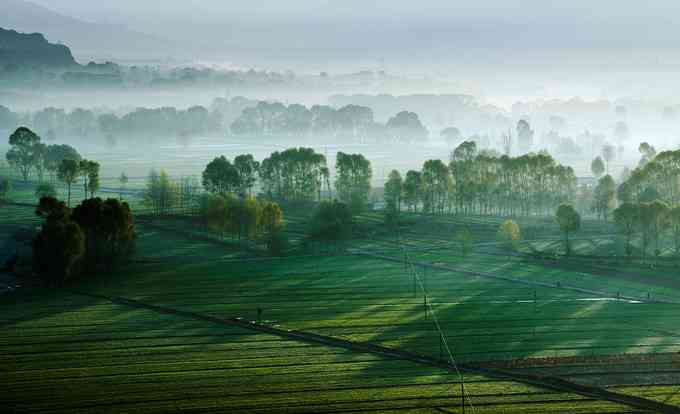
[32, 49]
[88, 41]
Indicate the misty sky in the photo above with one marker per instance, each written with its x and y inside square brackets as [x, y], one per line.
[393, 24]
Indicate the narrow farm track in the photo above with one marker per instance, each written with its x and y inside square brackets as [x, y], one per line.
[551, 383]
[508, 279]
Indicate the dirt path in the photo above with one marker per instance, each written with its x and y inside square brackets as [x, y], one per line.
[552, 383]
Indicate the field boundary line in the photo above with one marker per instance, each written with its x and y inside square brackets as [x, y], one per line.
[511, 279]
[545, 382]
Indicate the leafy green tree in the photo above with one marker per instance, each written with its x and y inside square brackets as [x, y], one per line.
[161, 192]
[394, 188]
[109, 231]
[89, 171]
[627, 217]
[59, 246]
[413, 189]
[509, 234]
[217, 214]
[569, 221]
[40, 160]
[437, 180]
[22, 154]
[56, 154]
[221, 177]
[296, 174]
[68, 172]
[247, 169]
[604, 196]
[332, 221]
[271, 218]
[660, 212]
[353, 182]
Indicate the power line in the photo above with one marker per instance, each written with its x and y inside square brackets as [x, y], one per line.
[443, 342]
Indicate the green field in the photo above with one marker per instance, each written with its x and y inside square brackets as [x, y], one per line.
[65, 353]
[102, 356]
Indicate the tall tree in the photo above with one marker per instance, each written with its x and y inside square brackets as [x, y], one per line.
[56, 154]
[221, 177]
[353, 180]
[570, 221]
[59, 246]
[22, 154]
[161, 192]
[394, 188]
[413, 189]
[247, 169]
[68, 172]
[604, 196]
[509, 234]
[626, 217]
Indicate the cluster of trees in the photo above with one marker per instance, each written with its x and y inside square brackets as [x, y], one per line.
[163, 194]
[332, 221]
[651, 220]
[94, 235]
[296, 174]
[245, 217]
[648, 200]
[348, 122]
[483, 182]
[30, 157]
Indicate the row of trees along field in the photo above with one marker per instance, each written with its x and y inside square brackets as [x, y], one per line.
[29, 156]
[483, 182]
[648, 202]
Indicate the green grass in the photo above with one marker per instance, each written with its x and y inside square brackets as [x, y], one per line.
[109, 357]
[66, 353]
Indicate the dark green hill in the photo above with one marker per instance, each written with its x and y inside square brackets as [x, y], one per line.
[32, 49]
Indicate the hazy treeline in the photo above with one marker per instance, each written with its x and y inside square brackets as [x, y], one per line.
[238, 116]
[107, 126]
[320, 121]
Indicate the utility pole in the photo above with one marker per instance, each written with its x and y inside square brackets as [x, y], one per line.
[425, 304]
[441, 345]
